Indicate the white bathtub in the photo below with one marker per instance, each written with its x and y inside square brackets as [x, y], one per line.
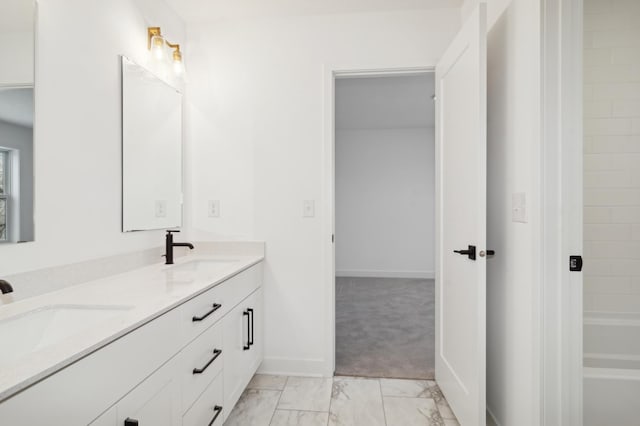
[611, 369]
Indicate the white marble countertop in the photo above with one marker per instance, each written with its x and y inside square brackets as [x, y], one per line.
[146, 293]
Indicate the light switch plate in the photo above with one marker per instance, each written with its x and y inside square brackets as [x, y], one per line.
[308, 208]
[161, 208]
[519, 207]
[213, 208]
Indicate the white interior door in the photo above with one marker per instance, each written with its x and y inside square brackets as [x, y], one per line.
[461, 150]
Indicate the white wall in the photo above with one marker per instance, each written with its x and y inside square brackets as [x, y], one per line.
[385, 202]
[256, 133]
[78, 131]
[513, 275]
[16, 51]
[612, 156]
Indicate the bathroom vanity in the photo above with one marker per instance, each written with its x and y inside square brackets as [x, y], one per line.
[162, 345]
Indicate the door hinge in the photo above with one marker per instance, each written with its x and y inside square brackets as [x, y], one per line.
[575, 263]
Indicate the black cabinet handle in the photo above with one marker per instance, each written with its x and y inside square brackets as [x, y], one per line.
[130, 422]
[248, 345]
[214, 308]
[218, 410]
[470, 252]
[216, 354]
[250, 310]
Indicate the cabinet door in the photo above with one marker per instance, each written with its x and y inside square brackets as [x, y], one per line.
[242, 345]
[257, 336]
[155, 402]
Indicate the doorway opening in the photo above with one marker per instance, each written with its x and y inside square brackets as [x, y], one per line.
[385, 225]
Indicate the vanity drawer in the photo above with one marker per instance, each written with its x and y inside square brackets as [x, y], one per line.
[199, 363]
[237, 288]
[201, 312]
[208, 406]
[204, 310]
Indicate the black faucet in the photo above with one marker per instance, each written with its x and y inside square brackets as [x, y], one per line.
[170, 245]
[5, 287]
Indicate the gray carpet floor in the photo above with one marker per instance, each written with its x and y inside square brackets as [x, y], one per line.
[385, 327]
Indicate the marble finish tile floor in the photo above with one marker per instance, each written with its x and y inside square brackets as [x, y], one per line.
[341, 401]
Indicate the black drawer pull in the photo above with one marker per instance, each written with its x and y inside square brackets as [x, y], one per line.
[130, 422]
[250, 310]
[214, 308]
[216, 354]
[218, 410]
[248, 345]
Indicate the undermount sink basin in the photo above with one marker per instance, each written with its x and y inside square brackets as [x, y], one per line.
[33, 330]
[202, 265]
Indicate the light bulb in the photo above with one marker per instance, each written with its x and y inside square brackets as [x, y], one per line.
[178, 68]
[178, 65]
[157, 47]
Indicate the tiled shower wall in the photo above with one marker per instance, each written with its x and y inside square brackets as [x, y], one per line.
[612, 155]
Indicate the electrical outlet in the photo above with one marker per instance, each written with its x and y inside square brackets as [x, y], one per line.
[214, 208]
[308, 208]
[161, 208]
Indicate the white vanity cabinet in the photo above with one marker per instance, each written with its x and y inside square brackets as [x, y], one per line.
[156, 401]
[186, 367]
[200, 362]
[243, 343]
[209, 408]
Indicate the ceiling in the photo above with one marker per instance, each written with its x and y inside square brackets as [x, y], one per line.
[385, 102]
[16, 15]
[209, 10]
[16, 106]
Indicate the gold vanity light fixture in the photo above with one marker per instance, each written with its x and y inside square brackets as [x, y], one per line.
[156, 44]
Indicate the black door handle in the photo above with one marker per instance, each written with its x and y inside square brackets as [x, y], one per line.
[470, 252]
[487, 253]
[248, 345]
[250, 310]
[130, 422]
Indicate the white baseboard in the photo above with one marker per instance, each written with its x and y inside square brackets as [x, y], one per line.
[293, 367]
[385, 274]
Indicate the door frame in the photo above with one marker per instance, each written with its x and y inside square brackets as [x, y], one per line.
[561, 291]
[561, 234]
[331, 73]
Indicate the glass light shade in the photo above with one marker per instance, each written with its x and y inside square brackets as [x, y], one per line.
[178, 68]
[178, 65]
[157, 47]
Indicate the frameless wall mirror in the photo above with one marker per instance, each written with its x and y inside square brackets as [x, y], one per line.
[17, 55]
[151, 151]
